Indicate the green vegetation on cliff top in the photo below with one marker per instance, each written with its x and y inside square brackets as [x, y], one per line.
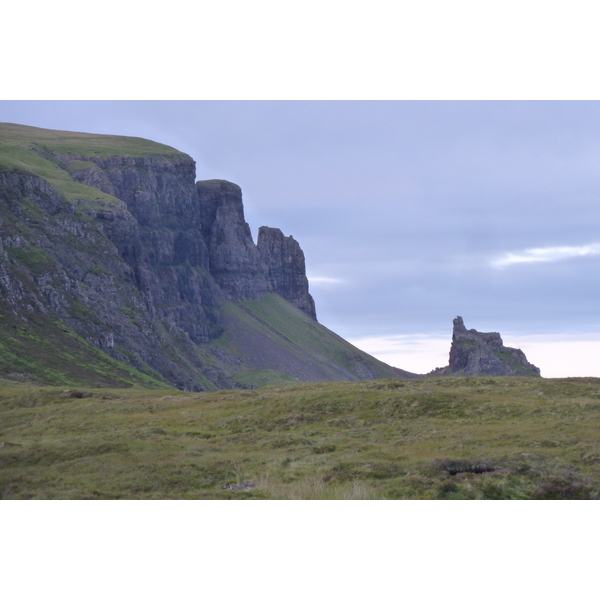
[441, 438]
[32, 150]
[87, 144]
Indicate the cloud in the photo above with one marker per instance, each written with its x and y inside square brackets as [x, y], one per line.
[324, 280]
[546, 255]
[560, 355]
[414, 353]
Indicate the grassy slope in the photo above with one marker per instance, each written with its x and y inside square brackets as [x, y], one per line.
[528, 438]
[68, 142]
[48, 352]
[275, 333]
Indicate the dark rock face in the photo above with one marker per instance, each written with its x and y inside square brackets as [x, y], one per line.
[286, 268]
[143, 275]
[476, 353]
[94, 271]
[242, 270]
[15, 185]
[159, 237]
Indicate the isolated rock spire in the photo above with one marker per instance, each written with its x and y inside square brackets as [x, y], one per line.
[476, 353]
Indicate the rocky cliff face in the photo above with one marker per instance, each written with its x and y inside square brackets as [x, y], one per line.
[134, 256]
[91, 270]
[160, 238]
[245, 271]
[476, 353]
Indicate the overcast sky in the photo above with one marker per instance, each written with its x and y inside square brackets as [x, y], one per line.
[409, 213]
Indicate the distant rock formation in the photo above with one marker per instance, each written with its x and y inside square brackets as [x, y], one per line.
[476, 353]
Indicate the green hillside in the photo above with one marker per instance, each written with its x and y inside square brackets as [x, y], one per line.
[43, 351]
[441, 438]
[277, 342]
[30, 140]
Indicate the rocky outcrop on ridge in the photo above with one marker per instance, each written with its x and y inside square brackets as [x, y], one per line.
[243, 270]
[286, 268]
[234, 261]
[476, 353]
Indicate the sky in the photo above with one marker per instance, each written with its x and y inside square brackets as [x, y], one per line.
[409, 212]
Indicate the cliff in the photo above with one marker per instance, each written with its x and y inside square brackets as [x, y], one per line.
[476, 353]
[117, 266]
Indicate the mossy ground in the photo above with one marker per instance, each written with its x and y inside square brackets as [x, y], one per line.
[451, 438]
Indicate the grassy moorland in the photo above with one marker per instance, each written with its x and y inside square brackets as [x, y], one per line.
[444, 438]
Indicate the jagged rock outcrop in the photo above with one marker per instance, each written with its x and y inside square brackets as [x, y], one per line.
[476, 353]
[286, 268]
[15, 185]
[243, 270]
